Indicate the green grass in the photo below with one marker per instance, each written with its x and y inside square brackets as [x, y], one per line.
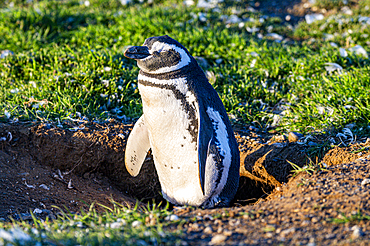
[310, 168]
[67, 63]
[118, 225]
[68, 56]
[358, 216]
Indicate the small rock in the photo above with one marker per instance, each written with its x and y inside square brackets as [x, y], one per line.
[233, 19]
[359, 50]
[37, 211]
[208, 230]
[5, 53]
[208, 217]
[331, 67]
[305, 223]
[227, 233]
[116, 225]
[219, 61]
[346, 10]
[220, 229]
[313, 17]
[330, 236]
[343, 52]
[315, 219]
[218, 239]
[357, 232]
[294, 136]
[172, 217]
[195, 226]
[365, 182]
[284, 233]
[136, 223]
[275, 36]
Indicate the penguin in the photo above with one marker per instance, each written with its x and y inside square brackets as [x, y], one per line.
[185, 125]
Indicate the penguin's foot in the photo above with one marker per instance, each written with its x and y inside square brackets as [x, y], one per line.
[216, 202]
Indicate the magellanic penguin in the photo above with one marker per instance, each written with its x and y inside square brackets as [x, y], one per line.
[185, 125]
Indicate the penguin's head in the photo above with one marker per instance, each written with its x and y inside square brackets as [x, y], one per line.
[159, 55]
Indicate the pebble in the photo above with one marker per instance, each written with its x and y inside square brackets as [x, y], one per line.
[136, 223]
[227, 232]
[357, 232]
[195, 226]
[287, 231]
[310, 18]
[365, 182]
[208, 230]
[115, 225]
[172, 217]
[294, 137]
[218, 239]
[208, 217]
[37, 211]
[5, 53]
[315, 219]
[305, 223]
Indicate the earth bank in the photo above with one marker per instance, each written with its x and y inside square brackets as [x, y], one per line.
[42, 166]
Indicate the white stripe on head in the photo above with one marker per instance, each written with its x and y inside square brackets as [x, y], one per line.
[160, 46]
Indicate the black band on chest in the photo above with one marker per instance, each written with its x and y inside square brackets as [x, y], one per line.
[186, 106]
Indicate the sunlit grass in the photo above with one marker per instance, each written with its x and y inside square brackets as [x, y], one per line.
[68, 56]
[116, 226]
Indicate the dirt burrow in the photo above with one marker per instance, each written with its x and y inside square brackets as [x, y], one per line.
[44, 165]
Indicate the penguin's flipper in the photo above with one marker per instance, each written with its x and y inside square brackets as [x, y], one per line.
[204, 141]
[137, 147]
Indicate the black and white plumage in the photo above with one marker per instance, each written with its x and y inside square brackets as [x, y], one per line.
[185, 124]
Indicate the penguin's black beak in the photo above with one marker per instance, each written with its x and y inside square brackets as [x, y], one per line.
[137, 52]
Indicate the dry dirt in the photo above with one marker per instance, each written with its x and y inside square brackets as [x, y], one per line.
[42, 166]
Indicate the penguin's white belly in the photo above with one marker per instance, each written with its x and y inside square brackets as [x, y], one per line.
[175, 149]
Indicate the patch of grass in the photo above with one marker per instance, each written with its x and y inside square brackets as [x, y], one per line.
[310, 168]
[358, 216]
[117, 226]
[331, 4]
[68, 63]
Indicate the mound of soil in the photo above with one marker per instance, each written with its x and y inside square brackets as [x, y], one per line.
[329, 207]
[42, 166]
